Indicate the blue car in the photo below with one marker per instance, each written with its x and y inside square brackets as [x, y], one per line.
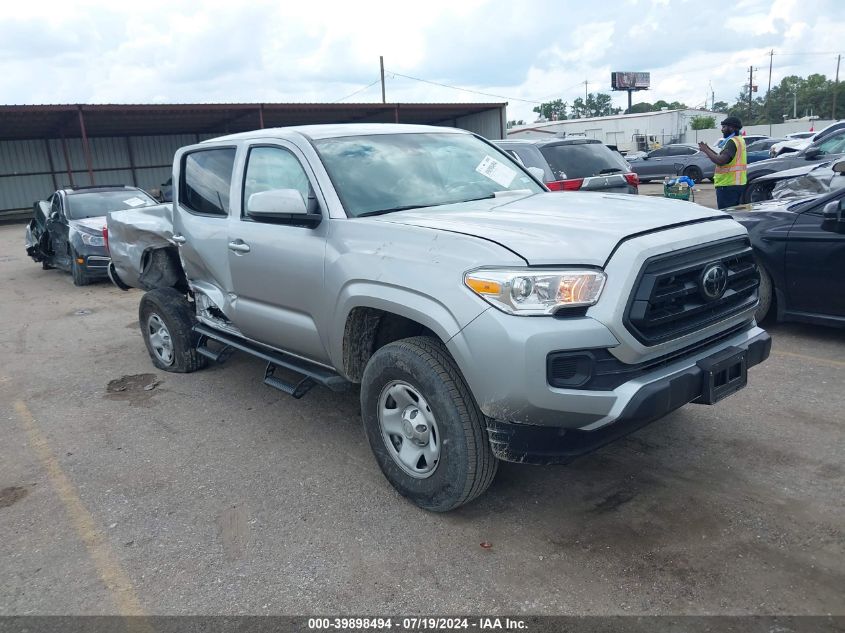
[759, 150]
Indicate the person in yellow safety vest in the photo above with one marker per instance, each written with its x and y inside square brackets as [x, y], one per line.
[731, 164]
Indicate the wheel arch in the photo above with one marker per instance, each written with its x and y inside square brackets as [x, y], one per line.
[368, 329]
[161, 267]
[370, 314]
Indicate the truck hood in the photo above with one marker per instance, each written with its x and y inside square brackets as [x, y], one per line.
[557, 228]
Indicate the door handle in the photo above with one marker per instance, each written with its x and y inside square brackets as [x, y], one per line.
[239, 246]
[179, 239]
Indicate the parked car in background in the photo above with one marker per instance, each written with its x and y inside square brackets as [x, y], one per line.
[759, 149]
[571, 164]
[750, 138]
[800, 250]
[808, 180]
[792, 143]
[678, 159]
[828, 149]
[66, 230]
[800, 140]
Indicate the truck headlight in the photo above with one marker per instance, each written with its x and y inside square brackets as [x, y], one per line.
[92, 240]
[536, 292]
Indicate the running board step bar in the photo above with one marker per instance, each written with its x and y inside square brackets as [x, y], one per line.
[311, 373]
[215, 356]
[297, 389]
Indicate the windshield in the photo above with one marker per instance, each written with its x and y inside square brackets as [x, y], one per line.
[390, 172]
[582, 160]
[93, 204]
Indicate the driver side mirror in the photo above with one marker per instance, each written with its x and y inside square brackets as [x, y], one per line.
[839, 167]
[813, 152]
[282, 205]
[834, 217]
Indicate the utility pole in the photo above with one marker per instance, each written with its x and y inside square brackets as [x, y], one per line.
[586, 111]
[381, 63]
[750, 86]
[836, 86]
[769, 89]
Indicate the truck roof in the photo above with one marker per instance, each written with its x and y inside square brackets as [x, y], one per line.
[333, 130]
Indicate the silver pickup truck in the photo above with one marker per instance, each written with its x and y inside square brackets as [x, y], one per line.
[484, 317]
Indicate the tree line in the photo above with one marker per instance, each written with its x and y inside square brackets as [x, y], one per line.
[793, 97]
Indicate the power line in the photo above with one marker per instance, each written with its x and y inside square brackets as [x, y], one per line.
[811, 53]
[478, 92]
[357, 91]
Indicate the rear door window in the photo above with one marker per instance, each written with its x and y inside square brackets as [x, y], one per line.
[582, 160]
[206, 179]
[681, 151]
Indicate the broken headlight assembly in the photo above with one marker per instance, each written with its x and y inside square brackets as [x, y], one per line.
[92, 240]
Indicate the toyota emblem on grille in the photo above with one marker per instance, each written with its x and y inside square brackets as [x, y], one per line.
[714, 281]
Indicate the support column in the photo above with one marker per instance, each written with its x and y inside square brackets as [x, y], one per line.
[50, 161]
[261, 115]
[396, 113]
[85, 148]
[67, 161]
[131, 162]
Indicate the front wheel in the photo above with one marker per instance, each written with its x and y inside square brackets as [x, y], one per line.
[766, 292]
[423, 425]
[166, 320]
[77, 270]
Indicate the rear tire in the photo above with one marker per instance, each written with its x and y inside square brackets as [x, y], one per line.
[166, 320]
[423, 425]
[694, 173]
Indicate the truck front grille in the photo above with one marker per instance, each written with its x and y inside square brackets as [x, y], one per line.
[681, 292]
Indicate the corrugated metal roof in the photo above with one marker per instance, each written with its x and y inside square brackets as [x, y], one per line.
[52, 121]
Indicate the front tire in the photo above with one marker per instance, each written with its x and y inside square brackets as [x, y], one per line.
[766, 293]
[166, 320]
[423, 425]
[77, 271]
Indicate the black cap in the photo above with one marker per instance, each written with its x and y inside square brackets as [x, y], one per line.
[733, 122]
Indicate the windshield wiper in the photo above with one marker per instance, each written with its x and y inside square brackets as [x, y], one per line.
[610, 170]
[392, 210]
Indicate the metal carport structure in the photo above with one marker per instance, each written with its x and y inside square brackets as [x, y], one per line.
[43, 147]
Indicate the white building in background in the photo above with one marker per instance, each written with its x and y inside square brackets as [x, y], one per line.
[628, 132]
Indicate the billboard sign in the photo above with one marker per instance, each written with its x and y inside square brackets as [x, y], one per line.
[630, 81]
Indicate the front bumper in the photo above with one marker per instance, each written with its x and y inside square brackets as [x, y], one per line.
[506, 370]
[549, 445]
[96, 265]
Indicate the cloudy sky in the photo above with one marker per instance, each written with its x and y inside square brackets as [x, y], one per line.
[147, 51]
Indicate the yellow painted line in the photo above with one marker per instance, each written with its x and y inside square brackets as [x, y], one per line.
[815, 359]
[105, 560]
